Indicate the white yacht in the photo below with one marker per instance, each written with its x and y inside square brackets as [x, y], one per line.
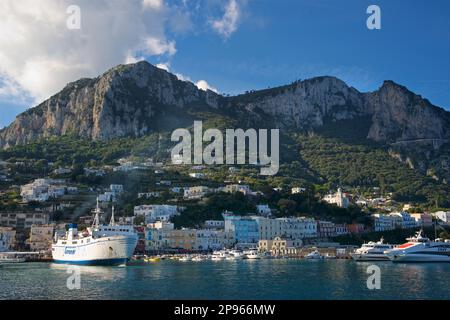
[185, 258]
[251, 254]
[218, 256]
[372, 251]
[314, 255]
[236, 254]
[99, 245]
[421, 249]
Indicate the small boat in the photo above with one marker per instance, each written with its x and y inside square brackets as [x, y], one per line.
[314, 255]
[218, 256]
[236, 254]
[152, 259]
[251, 254]
[197, 258]
[10, 258]
[330, 256]
[185, 258]
[230, 257]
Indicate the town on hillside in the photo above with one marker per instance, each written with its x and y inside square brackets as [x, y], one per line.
[196, 209]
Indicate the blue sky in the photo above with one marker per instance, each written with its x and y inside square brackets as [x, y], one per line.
[276, 42]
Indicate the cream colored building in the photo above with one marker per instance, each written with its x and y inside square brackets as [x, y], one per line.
[196, 192]
[339, 199]
[41, 237]
[23, 220]
[279, 246]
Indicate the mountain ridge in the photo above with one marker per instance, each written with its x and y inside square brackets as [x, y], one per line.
[137, 99]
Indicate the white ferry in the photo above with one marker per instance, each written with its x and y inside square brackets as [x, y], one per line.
[100, 245]
[372, 251]
[421, 249]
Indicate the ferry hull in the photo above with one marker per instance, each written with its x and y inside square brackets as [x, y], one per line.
[419, 258]
[369, 257]
[115, 250]
[103, 262]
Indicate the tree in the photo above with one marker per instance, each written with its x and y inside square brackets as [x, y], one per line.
[287, 207]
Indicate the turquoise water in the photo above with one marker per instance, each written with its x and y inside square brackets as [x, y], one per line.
[263, 279]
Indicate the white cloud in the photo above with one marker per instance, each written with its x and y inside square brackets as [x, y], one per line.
[153, 4]
[228, 24]
[155, 46]
[203, 85]
[39, 55]
[164, 66]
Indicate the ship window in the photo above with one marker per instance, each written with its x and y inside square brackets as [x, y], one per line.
[63, 242]
[74, 242]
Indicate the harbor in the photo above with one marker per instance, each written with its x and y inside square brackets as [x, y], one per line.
[240, 279]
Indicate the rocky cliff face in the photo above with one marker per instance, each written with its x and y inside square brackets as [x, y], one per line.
[136, 99]
[122, 102]
[397, 115]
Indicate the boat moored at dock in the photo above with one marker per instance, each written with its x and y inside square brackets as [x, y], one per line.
[372, 251]
[421, 249]
[100, 245]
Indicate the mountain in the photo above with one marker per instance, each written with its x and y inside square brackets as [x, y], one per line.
[131, 101]
[136, 99]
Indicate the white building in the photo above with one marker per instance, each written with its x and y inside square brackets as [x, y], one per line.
[383, 222]
[208, 239]
[404, 220]
[177, 189]
[62, 171]
[94, 172]
[42, 190]
[197, 175]
[296, 190]
[263, 210]
[196, 192]
[116, 188]
[107, 197]
[23, 220]
[214, 224]
[232, 188]
[156, 212]
[292, 228]
[338, 199]
[443, 216]
[148, 195]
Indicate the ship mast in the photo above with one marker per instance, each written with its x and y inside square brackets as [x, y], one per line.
[112, 222]
[97, 212]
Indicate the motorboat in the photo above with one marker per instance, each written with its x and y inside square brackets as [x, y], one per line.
[372, 251]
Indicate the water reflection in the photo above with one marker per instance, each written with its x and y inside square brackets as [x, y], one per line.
[263, 279]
